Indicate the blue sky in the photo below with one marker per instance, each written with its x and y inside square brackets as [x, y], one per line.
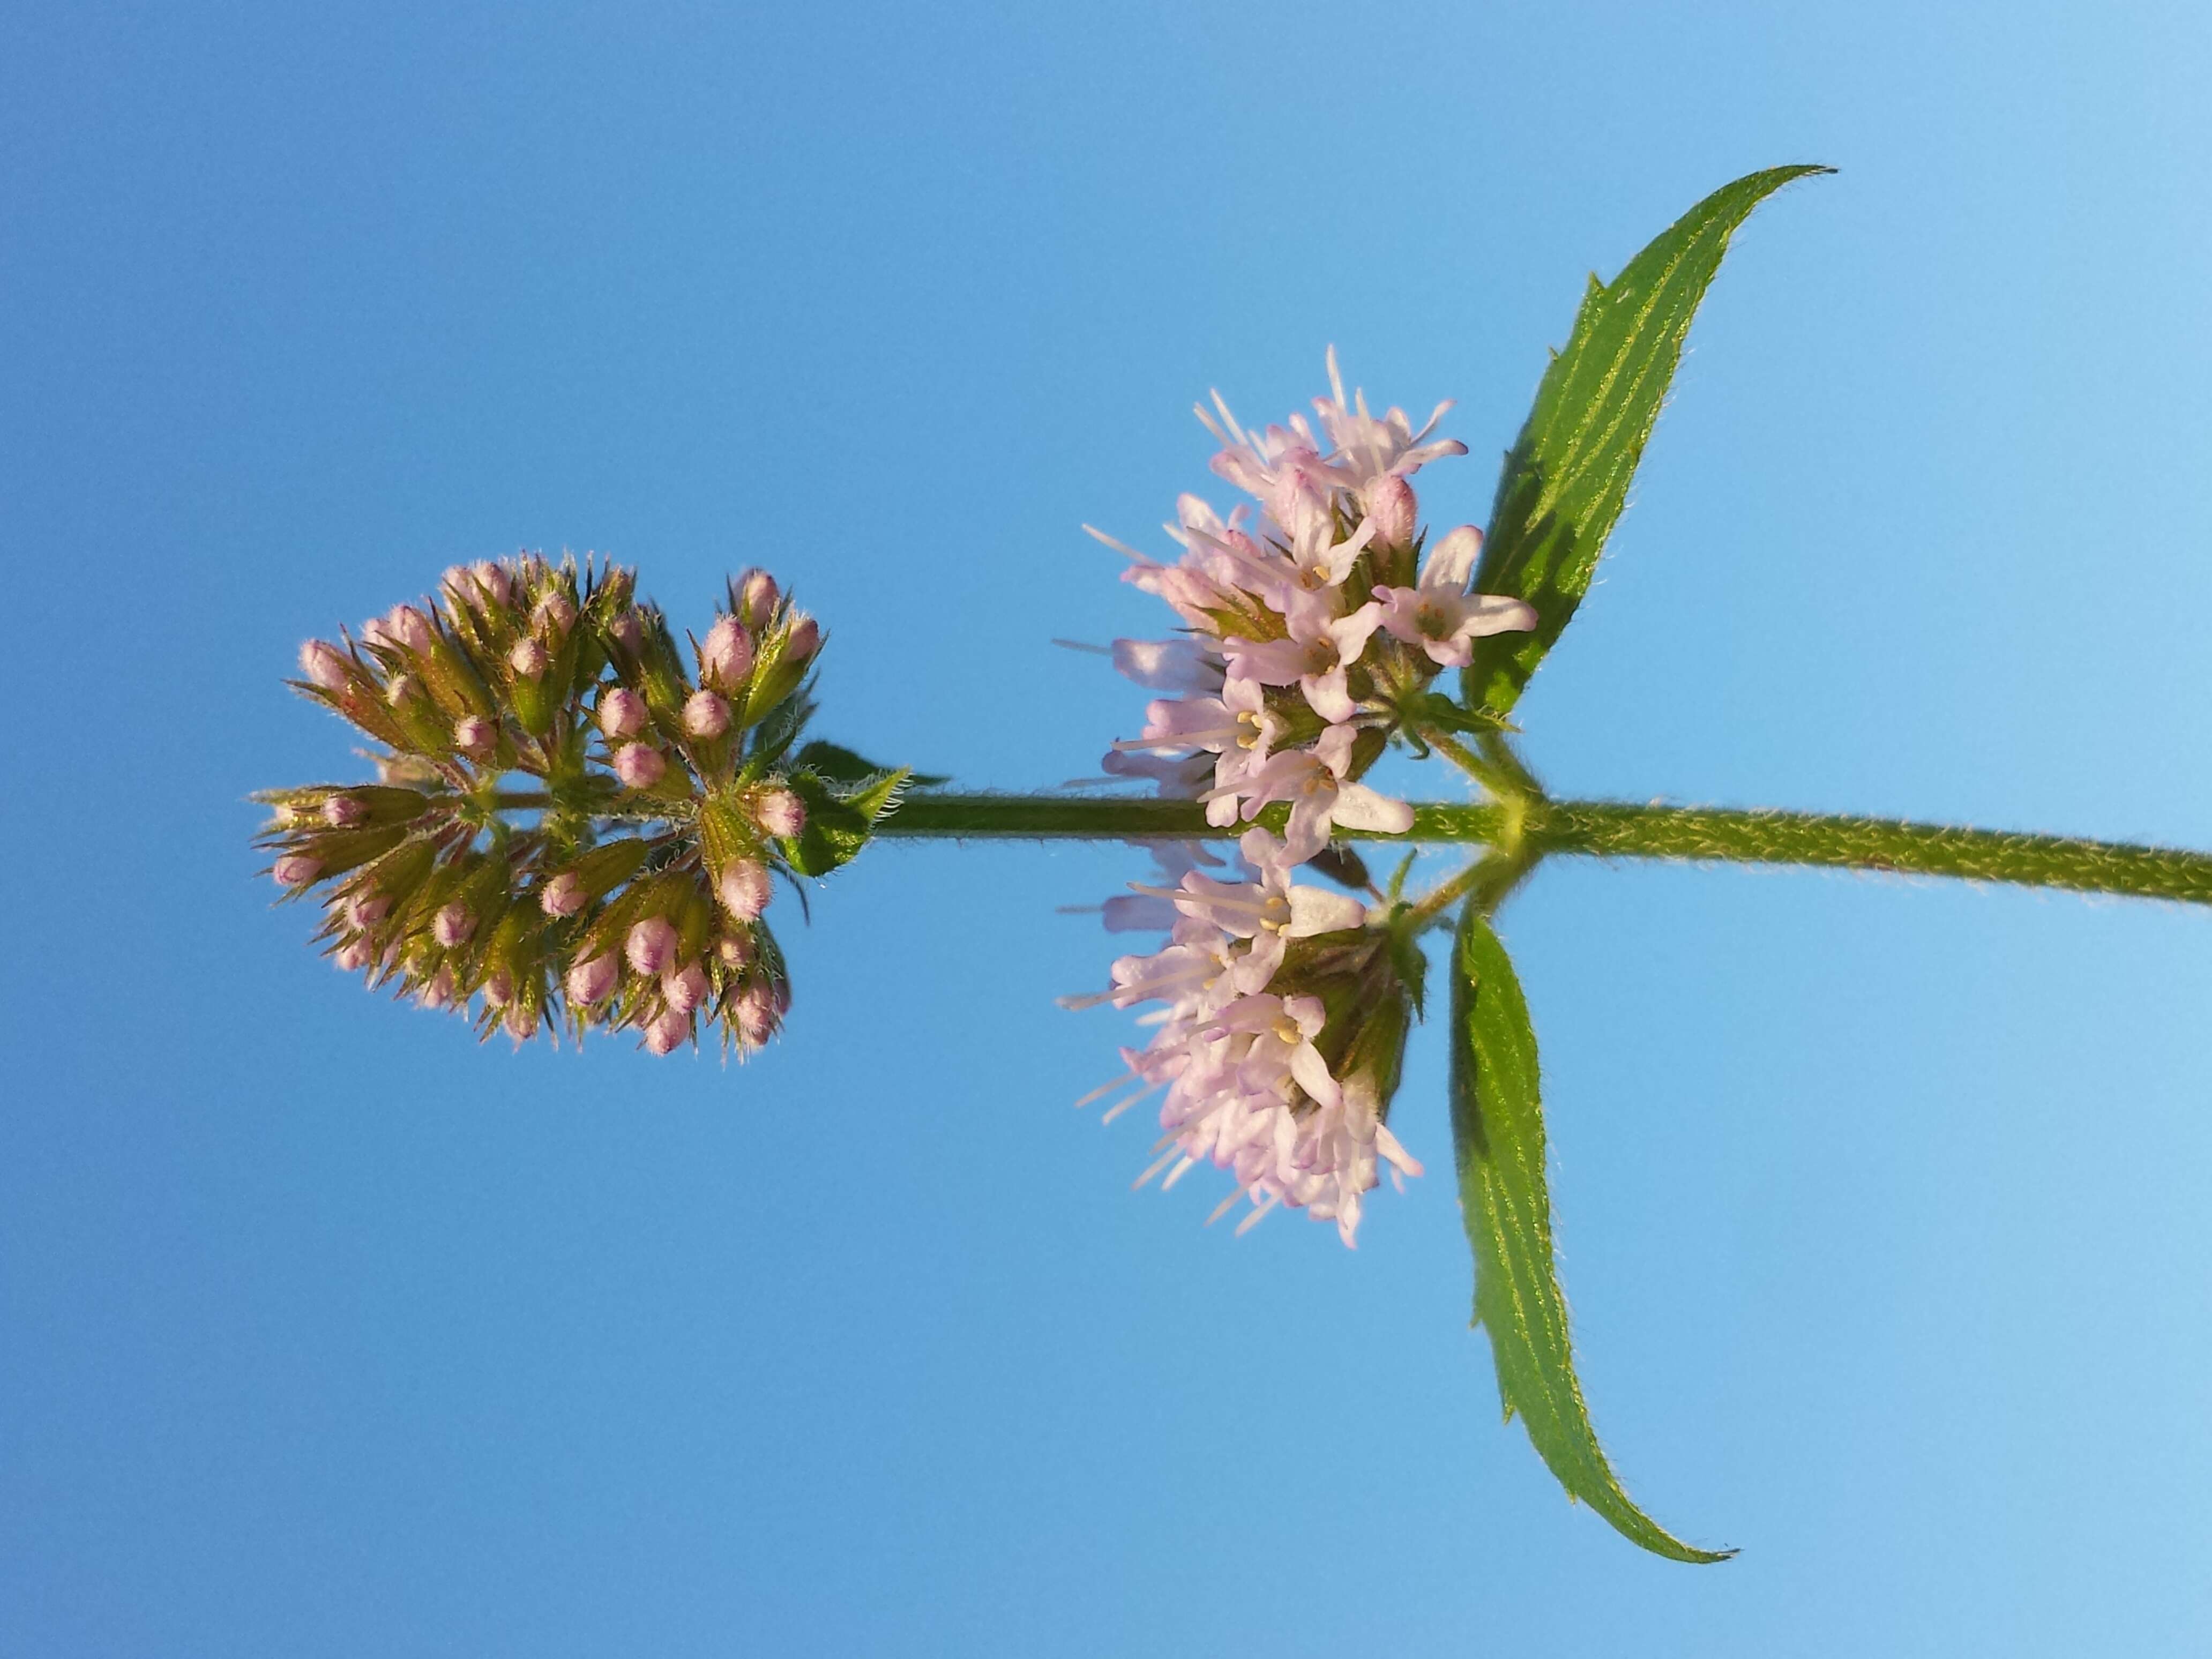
[323, 1331]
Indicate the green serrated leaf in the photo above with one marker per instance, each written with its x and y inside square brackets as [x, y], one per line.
[1566, 478]
[1498, 1132]
[839, 764]
[838, 819]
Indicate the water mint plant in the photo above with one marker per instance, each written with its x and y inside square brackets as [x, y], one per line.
[579, 822]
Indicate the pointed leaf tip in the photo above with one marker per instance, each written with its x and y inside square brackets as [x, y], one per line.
[1497, 1133]
[1566, 478]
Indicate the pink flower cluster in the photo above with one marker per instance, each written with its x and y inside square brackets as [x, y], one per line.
[1311, 621]
[1305, 628]
[1260, 1080]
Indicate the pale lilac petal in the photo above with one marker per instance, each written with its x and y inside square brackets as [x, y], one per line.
[1358, 807]
[1317, 910]
[1451, 561]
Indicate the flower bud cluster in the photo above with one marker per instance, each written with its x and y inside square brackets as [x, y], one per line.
[1311, 620]
[624, 886]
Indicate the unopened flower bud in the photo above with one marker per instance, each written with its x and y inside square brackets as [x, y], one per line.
[757, 597]
[650, 945]
[705, 715]
[439, 992]
[529, 659]
[755, 1014]
[324, 665]
[744, 888]
[354, 956]
[591, 981]
[521, 1021]
[727, 656]
[365, 910]
[804, 640]
[734, 948]
[475, 736]
[1391, 509]
[781, 813]
[684, 988]
[499, 989]
[564, 896]
[409, 627]
[667, 1031]
[296, 870]
[452, 924]
[622, 713]
[639, 765]
[343, 812]
[492, 579]
[628, 630]
[402, 690]
[553, 613]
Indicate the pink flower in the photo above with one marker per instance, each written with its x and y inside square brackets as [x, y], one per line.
[650, 945]
[780, 813]
[365, 910]
[803, 638]
[1440, 616]
[744, 888]
[1283, 1029]
[1269, 910]
[1236, 725]
[640, 765]
[1366, 449]
[499, 989]
[521, 1021]
[564, 896]
[666, 1033]
[324, 665]
[591, 981]
[439, 992]
[734, 948]
[553, 614]
[452, 924]
[727, 656]
[529, 659]
[491, 579]
[622, 713]
[343, 812]
[684, 988]
[1256, 462]
[1320, 797]
[354, 956]
[296, 870]
[1317, 656]
[705, 714]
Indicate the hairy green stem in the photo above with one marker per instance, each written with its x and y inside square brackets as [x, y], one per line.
[1618, 829]
[1611, 830]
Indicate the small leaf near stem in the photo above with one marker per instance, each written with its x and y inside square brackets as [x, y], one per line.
[1498, 1131]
